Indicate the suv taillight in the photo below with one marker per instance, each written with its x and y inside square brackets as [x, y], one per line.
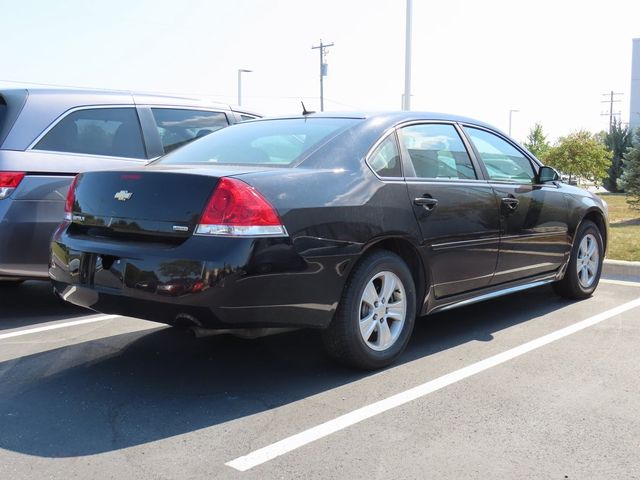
[236, 209]
[71, 198]
[8, 182]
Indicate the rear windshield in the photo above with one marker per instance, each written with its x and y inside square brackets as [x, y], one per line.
[281, 142]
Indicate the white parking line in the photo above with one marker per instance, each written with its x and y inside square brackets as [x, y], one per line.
[624, 283]
[56, 326]
[262, 455]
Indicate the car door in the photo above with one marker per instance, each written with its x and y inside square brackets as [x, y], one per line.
[455, 208]
[533, 217]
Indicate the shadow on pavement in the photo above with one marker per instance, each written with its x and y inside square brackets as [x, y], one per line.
[136, 388]
[31, 303]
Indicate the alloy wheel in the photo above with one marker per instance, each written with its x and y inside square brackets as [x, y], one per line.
[383, 310]
[588, 260]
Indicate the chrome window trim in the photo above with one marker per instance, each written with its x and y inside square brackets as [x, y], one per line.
[448, 181]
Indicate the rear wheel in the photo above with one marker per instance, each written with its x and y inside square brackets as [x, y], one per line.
[375, 318]
[585, 264]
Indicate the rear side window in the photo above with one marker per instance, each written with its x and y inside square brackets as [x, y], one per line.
[113, 132]
[178, 127]
[437, 151]
[502, 160]
[385, 159]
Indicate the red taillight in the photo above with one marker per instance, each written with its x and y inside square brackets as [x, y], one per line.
[71, 198]
[237, 209]
[8, 182]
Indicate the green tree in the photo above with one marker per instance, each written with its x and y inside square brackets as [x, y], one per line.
[630, 179]
[580, 155]
[537, 142]
[618, 140]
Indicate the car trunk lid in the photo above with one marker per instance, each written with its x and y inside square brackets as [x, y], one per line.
[165, 205]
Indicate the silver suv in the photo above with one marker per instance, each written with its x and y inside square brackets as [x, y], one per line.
[49, 135]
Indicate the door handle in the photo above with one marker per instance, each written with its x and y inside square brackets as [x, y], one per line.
[426, 202]
[510, 202]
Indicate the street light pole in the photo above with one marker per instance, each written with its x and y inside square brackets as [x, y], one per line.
[240, 72]
[406, 103]
[510, 113]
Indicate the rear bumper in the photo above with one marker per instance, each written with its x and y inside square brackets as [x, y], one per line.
[26, 227]
[211, 282]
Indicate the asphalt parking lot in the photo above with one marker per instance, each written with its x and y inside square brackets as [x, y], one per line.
[525, 386]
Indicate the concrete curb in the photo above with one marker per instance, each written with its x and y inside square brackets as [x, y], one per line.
[621, 268]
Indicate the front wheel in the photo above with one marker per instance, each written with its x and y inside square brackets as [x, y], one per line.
[375, 318]
[585, 265]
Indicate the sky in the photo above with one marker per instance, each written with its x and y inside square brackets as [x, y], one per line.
[550, 60]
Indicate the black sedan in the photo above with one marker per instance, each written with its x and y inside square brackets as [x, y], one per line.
[353, 224]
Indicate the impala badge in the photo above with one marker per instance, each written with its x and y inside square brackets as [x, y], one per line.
[123, 195]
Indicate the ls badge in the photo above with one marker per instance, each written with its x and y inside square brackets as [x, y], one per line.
[123, 195]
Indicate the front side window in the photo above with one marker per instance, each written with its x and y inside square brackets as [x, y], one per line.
[437, 151]
[178, 127]
[114, 132]
[502, 160]
[280, 142]
[385, 160]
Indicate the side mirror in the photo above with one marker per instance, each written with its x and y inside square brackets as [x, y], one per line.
[547, 174]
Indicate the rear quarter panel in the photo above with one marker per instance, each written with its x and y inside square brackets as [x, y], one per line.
[332, 217]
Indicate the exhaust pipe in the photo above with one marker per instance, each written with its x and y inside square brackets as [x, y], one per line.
[245, 333]
[195, 328]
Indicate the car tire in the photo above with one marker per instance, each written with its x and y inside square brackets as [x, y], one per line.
[376, 315]
[10, 283]
[585, 264]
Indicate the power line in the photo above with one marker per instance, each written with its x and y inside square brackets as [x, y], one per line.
[323, 69]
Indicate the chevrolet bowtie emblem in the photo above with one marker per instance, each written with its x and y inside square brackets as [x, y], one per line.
[123, 195]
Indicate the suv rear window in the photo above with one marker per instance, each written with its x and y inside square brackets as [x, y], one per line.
[178, 126]
[280, 142]
[113, 132]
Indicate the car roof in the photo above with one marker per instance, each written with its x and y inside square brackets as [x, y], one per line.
[389, 118]
[103, 95]
[45, 104]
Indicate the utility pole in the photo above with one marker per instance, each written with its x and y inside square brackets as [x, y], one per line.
[511, 112]
[611, 101]
[240, 72]
[406, 99]
[323, 69]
